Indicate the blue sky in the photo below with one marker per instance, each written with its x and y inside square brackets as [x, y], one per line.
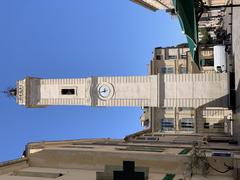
[70, 39]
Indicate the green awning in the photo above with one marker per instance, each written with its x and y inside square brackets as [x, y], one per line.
[187, 18]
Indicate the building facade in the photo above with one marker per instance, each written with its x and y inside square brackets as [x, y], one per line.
[205, 119]
[155, 5]
[172, 60]
[107, 159]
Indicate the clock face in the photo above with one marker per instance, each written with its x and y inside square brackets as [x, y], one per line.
[105, 91]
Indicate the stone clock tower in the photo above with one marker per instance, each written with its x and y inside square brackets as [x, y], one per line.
[94, 91]
[162, 90]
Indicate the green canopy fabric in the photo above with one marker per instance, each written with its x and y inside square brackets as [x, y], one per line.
[187, 18]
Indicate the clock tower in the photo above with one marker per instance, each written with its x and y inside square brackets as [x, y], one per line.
[93, 91]
[161, 90]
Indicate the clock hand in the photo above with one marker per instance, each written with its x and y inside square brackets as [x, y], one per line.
[105, 90]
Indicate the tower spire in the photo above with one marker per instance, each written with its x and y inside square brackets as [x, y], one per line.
[10, 92]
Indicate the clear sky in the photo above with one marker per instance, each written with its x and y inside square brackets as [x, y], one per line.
[71, 39]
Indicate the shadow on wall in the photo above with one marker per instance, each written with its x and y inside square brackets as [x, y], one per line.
[236, 114]
[220, 102]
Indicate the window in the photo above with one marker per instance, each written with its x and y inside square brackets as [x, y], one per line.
[158, 57]
[187, 124]
[141, 148]
[206, 125]
[183, 56]
[168, 108]
[185, 109]
[172, 57]
[167, 124]
[163, 70]
[78, 146]
[218, 125]
[207, 62]
[37, 174]
[215, 126]
[67, 91]
[182, 70]
[146, 123]
[167, 70]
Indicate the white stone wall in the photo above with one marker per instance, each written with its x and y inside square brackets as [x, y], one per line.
[194, 90]
[127, 91]
[162, 90]
[50, 92]
[131, 91]
[155, 4]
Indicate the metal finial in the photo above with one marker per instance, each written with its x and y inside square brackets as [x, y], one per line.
[10, 92]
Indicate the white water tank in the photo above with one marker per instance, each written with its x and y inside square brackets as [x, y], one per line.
[220, 64]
